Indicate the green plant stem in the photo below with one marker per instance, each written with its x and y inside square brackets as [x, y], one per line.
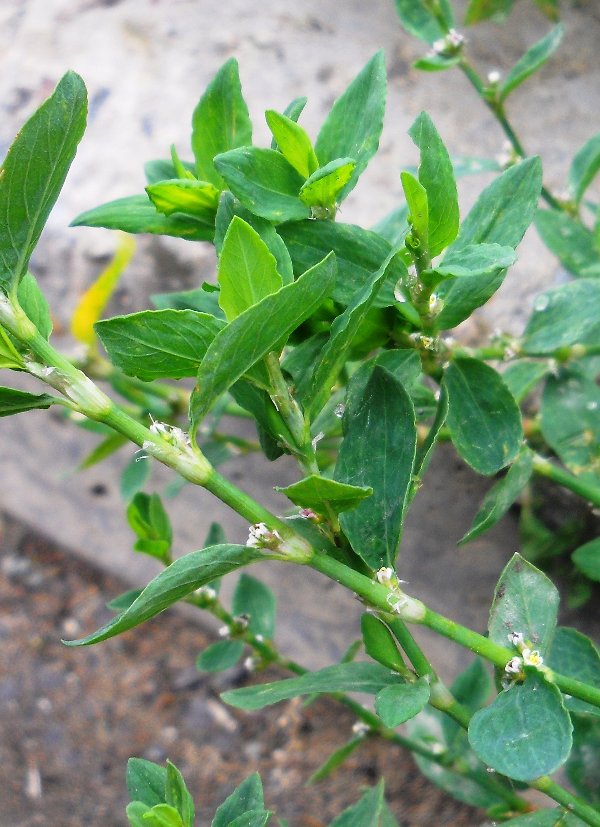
[570, 802]
[583, 488]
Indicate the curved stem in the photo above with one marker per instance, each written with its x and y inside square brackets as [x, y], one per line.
[579, 486]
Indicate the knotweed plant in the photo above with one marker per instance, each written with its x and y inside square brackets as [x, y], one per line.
[334, 340]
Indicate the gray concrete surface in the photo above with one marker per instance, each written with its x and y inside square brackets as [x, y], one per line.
[146, 63]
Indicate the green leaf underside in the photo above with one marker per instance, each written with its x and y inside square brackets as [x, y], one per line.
[264, 182]
[359, 253]
[437, 176]
[247, 797]
[326, 183]
[584, 167]
[13, 401]
[123, 601]
[379, 643]
[220, 122]
[525, 601]
[570, 241]
[575, 655]
[252, 598]
[175, 582]
[566, 315]
[587, 559]
[533, 59]
[247, 270]
[501, 215]
[369, 810]
[220, 656]
[293, 142]
[34, 171]
[137, 214]
[156, 344]
[397, 704]
[526, 732]
[501, 496]
[319, 493]
[476, 260]
[190, 197]
[483, 418]
[344, 677]
[378, 450]
[353, 126]
[255, 332]
[146, 781]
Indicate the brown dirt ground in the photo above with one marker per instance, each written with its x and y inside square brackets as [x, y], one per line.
[70, 719]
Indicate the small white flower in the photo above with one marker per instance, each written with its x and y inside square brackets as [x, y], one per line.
[207, 592]
[360, 728]
[385, 575]
[250, 664]
[223, 631]
[494, 77]
[514, 666]
[261, 536]
[517, 639]
[531, 657]
[455, 38]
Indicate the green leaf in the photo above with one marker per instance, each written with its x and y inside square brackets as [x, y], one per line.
[587, 559]
[146, 781]
[359, 253]
[380, 644]
[293, 142]
[397, 704]
[264, 182]
[220, 656]
[583, 766]
[425, 450]
[565, 315]
[292, 111]
[570, 423]
[135, 812]
[34, 303]
[525, 732]
[342, 677]
[584, 167]
[156, 344]
[321, 494]
[436, 62]
[178, 580]
[230, 207]
[245, 798]
[393, 226]
[476, 260]
[501, 215]
[378, 450]
[437, 176]
[252, 818]
[521, 377]
[495, 10]
[533, 59]
[257, 331]
[524, 601]
[197, 299]
[343, 333]
[137, 214]
[336, 759]
[123, 601]
[163, 815]
[178, 795]
[327, 182]
[149, 520]
[418, 206]
[501, 496]
[33, 173]
[163, 169]
[575, 655]
[247, 270]
[353, 127]
[134, 477]
[419, 21]
[570, 241]
[483, 418]
[220, 122]
[13, 401]
[198, 199]
[369, 810]
[252, 598]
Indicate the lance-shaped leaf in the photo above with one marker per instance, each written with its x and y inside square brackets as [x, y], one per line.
[419, 20]
[252, 598]
[353, 127]
[570, 241]
[587, 559]
[181, 578]
[378, 450]
[371, 810]
[146, 781]
[220, 656]
[566, 315]
[437, 176]
[137, 214]
[336, 759]
[342, 677]
[293, 143]
[324, 186]
[320, 493]
[220, 122]
[264, 182]
[35, 305]
[188, 196]
[533, 59]
[292, 111]
[397, 704]
[526, 732]
[157, 344]
[247, 797]
[33, 173]
[575, 655]
[380, 644]
[178, 796]
[255, 332]
[13, 401]
[525, 601]
[501, 496]
[483, 418]
[358, 253]
[584, 167]
[501, 215]
[418, 208]
[476, 260]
